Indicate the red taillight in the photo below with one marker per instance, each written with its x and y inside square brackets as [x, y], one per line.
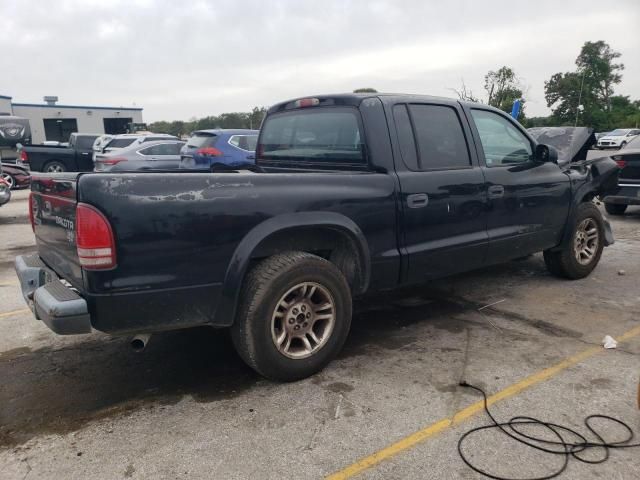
[621, 163]
[209, 152]
[23, 157]
[32, 207]
[94, 239]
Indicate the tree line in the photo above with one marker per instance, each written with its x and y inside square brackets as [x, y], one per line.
[583, 97]
[180, 128]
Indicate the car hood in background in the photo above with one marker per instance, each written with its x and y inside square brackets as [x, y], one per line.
[572, 143]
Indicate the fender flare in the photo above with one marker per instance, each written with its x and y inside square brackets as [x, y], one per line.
[239, 263]
[578, 196]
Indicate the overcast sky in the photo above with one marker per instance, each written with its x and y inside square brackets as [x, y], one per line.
[182, 59]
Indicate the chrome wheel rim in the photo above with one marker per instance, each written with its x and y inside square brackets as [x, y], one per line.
[55, 169]
[303, 320]
[8, 178]
[586, 241]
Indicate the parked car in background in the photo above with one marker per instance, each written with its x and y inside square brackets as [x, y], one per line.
[628, 193]
[618, 138]
[14, 131]
[99, 143]
[5, 190]
[599, 135]
[230, 148]
[124, 140]
[15, 176]
[76, 157]
[158, 155]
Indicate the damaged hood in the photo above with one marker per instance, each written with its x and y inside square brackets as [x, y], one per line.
[572, 143]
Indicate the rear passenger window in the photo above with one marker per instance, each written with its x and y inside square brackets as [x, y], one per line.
[431, 137]
[405, 137]
[439, 135]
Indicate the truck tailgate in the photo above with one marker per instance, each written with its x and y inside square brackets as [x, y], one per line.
[53, 206]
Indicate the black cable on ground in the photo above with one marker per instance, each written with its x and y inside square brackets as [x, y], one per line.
[562, 446]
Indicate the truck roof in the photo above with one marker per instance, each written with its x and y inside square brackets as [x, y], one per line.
[354, 99]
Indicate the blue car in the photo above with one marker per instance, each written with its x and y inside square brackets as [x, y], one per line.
[229, 148]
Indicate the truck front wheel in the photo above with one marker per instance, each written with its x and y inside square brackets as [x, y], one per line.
[294, 316]
[578, 256]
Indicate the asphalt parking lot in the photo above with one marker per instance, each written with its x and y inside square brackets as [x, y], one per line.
[390, 407]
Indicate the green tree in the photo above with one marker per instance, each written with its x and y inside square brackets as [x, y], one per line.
[365, 90]
[503, 88]
[586, 96]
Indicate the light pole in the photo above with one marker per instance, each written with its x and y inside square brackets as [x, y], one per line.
[580, 97]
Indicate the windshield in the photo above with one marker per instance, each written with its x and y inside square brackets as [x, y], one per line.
[617, 133]
[329, 135]
[120, 142]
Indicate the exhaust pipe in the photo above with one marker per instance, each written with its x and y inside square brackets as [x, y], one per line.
[139, 342]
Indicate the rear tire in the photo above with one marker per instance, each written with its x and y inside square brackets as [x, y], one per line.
[580, 254]
[615, 208]
[54, 167]
[294, 316]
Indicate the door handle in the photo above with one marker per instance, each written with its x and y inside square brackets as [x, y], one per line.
[417, 200]
[496, 191]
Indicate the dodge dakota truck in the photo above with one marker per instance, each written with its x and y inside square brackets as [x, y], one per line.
[350, 194]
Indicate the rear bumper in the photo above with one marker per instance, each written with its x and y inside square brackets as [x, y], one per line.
[68, 312]
[627, 194]
[58, 306]
[622, 200]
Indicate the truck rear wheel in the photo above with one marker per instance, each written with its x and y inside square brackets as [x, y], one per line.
[294, 316]
[579, 255]
[54, 167]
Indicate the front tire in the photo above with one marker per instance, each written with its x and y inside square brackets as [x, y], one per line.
[579, 255]
[294, 316]
[615, 208]
[10, 180]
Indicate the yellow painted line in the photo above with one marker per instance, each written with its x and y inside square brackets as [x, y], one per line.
[14, 312]
[433, 429]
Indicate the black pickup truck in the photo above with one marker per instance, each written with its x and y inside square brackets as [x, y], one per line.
[76, 157]
[350, 194]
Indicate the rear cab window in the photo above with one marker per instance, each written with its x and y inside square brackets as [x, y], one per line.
[320, 137]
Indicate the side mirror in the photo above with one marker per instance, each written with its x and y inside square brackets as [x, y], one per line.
[546, 153]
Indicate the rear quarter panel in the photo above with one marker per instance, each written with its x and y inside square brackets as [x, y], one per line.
[181, 230]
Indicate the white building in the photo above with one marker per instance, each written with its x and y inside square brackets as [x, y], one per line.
[51, 121]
